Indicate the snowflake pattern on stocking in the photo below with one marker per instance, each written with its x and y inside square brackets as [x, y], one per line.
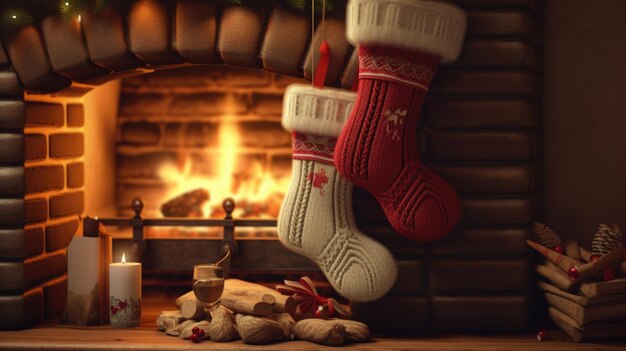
[319, 179]
[394, 122]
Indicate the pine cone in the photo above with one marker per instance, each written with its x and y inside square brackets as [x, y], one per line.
[606, 240]
[542, 234]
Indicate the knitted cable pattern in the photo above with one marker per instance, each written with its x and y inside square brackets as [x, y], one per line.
[316, 218]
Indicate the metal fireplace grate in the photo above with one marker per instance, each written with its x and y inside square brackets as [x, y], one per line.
[247, 255]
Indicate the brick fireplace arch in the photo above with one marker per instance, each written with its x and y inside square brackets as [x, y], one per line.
[153, 35]
[483, 140]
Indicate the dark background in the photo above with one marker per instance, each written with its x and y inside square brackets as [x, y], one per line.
[584, 116]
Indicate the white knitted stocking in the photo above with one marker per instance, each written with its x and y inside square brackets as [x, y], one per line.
[316, 218]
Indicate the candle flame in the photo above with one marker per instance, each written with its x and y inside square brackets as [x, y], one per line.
[123, 257]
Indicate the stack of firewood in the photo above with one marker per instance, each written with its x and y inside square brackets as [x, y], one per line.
[585, 290]
[257, 315]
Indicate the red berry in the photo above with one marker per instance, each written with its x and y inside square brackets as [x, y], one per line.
[543, 335]
[559, 249]
[593, 257]
[201, 333]
[195, 337]
[609, 274]
[573, 273]
[195, 330]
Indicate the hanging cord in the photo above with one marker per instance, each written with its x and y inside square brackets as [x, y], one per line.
[319, 77]
[312, 37]
[323, 20]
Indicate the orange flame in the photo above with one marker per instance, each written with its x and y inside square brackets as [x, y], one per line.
[250, 184]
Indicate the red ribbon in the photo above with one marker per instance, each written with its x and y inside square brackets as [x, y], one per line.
[309, 301]
[322, 65]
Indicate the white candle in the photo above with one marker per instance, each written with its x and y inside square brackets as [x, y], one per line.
[125, 293]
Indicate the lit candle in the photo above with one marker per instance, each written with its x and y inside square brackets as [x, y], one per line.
[125, 293]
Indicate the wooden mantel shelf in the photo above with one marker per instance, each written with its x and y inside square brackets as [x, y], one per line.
[51, 336]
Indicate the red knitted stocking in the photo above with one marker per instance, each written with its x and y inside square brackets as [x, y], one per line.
[378, 147]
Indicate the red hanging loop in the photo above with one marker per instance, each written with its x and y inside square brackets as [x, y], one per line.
[322, 65]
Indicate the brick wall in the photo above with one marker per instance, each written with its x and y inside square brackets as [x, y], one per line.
[170, 116]
[41, 180]
[54, 179]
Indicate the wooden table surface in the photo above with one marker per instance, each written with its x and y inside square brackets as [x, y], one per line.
[51, 336]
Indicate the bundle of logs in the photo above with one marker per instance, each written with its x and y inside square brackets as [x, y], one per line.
[256, 314]
[585, 290]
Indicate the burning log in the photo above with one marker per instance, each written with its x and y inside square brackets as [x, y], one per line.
[186, 205]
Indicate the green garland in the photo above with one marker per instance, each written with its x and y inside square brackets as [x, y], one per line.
[23, 12]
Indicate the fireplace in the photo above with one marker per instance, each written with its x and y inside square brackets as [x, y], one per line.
[182, 78]
[185, 140]
[211, 132]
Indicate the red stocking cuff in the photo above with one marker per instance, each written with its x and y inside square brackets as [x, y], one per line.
[407, 67]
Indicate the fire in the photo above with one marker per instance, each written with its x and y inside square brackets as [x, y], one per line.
[256, 191]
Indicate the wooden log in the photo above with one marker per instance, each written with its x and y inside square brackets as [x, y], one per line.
[190, 307]
[246, 301]
[556, 276]
[612, 287]
[581, 299]
[597, 267]
[186, 205]
[572, 250]
[564, 262]
[248, 292]
[585, 314]
[585, 254]
[283, 303]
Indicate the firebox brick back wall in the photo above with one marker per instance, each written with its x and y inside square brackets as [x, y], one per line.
[173, 116]
[479, 131]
